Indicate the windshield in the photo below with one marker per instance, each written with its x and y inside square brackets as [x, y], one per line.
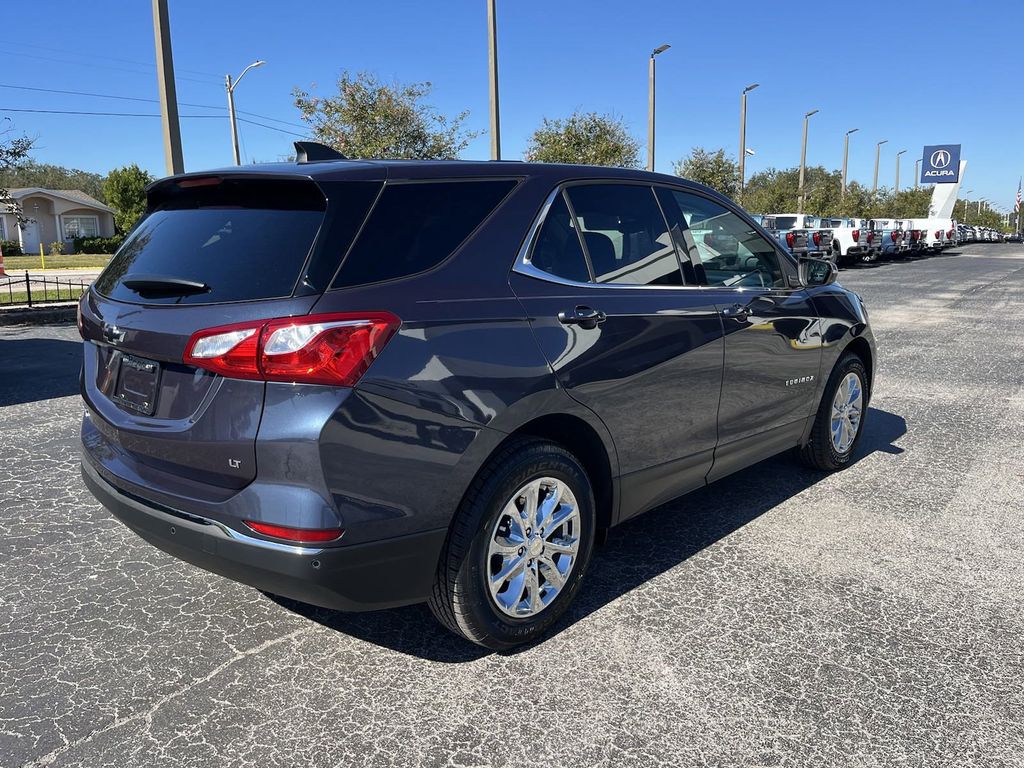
[785, 222]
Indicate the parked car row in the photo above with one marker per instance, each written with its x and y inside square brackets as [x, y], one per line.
[847, 241]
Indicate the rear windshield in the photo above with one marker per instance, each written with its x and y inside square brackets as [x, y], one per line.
[243, 241]
[416, 226]
[785, 222]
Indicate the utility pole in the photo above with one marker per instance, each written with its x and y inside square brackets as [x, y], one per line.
[165, 84]
[743, 135]
[650, 105]
[878, 154]
[803, 163]
[846, 155]
[492, 64]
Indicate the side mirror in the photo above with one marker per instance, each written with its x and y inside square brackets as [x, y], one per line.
[815, 272]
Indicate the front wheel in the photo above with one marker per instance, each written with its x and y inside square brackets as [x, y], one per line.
[518, 547]
[839, 421]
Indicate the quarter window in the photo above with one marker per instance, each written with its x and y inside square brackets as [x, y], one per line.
[625, 234]
[414, 227]
[731, 252]
[557, 249]
[81, 226]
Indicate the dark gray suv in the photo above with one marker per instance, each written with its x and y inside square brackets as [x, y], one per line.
[369, 384]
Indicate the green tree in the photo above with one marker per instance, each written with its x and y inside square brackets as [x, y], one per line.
[13, 153]
[370, 119]
[586, 138]
[47, 176]
[125, 190]
[713, 169]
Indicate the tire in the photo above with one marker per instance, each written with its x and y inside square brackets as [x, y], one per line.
[462, 599]
[822, 451]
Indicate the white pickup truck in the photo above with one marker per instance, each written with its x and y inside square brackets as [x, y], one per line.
[849, 240]
[819, 237]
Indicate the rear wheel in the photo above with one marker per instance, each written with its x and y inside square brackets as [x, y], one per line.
[518, 546]
[839, 422]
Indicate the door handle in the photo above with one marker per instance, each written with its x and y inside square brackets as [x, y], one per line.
[737, 312]
[584, 317]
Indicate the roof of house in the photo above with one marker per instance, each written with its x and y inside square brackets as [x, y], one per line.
[72, 195]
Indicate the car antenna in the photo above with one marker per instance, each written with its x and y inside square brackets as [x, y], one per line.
[315, 152]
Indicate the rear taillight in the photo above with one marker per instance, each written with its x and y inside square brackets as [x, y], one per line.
[950, 234]
[938, 234]
[790, 237]
[871, 237]
[856, 236]
[915, 235]
[331, 349]
[895, 235]
[817, 238]
[305, 535]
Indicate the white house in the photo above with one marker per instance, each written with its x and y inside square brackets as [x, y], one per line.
[55, 214]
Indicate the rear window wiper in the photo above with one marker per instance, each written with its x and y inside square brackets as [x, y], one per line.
[173, 286]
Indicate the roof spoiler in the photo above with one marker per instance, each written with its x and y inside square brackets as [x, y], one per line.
[315, 152]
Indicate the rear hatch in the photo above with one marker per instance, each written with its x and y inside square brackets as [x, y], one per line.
[211, 251]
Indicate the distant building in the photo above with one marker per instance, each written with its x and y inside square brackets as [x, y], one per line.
[55, 215]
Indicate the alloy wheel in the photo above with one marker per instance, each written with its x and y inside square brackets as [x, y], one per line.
[847, 407]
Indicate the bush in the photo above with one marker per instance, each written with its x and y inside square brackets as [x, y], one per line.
[97, 244]
[56, 248]
[10, 247]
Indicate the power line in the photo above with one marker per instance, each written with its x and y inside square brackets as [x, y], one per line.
[98, 66]
[147, 114]
[90, 56]
[148, 101]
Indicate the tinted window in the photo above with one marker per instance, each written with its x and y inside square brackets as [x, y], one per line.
[557, 249]
[730, 250]
[626, 236]
[234, 238]
[414, 227]
[785, 222]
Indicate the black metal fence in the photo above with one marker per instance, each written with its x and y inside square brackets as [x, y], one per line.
[40, 289]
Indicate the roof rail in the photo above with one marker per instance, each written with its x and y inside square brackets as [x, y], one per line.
[315, 152]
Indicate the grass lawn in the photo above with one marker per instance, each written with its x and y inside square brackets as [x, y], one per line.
[20, 297]
[66, 261]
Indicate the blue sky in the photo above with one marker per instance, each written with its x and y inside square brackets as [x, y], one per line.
[957, 78]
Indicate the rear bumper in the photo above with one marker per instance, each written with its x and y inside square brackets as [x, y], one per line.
[384, 574]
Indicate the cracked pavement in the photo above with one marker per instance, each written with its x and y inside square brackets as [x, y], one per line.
[778, 618]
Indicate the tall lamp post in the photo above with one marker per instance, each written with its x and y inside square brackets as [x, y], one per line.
[650, 106]
[898, 155]
[917, 172]
[803, 162]
[846, 155]
[231, 85]
[743, 135]
[965, 203]
[878, 154]
[492, 66]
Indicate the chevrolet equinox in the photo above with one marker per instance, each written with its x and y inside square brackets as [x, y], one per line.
[366, 384]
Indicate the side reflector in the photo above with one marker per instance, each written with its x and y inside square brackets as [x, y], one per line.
[304, 535]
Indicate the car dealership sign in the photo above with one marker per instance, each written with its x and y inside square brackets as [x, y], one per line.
[941, 164]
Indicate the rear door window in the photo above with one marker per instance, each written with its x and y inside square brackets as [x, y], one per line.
[557, 249]
[243, 240]
[625, 235]
[416, 226]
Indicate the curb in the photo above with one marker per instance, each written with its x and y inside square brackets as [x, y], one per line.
[61, 313]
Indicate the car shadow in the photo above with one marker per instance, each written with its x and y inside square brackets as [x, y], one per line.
[34, 369]
[637, 551]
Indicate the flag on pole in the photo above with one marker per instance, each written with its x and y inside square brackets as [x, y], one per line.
[1016, 205]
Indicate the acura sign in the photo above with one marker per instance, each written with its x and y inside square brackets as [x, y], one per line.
[940, 164]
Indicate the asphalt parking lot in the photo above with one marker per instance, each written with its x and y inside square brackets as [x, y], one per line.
[778, 618]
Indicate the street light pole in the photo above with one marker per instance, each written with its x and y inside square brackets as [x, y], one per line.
[165, 82]
[803, 162]
[878, 154]
[743, 135]
[846, 155]
[898, 155]
[965, 203]
[917, 172]
[492, 62]
[650, 105]
[231, 85]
